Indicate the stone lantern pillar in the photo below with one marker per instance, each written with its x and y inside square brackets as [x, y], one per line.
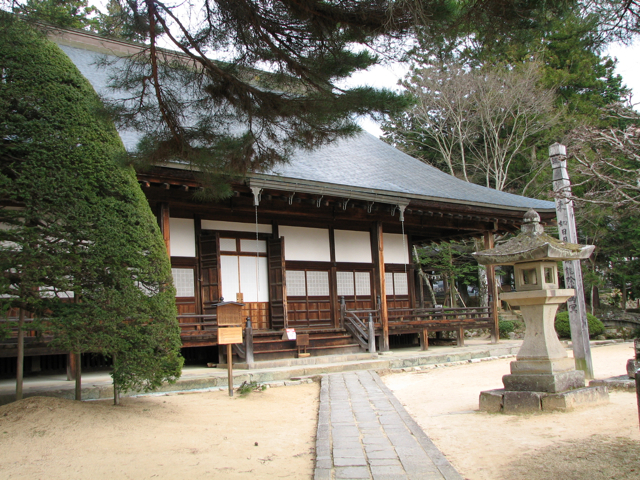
[543, 376]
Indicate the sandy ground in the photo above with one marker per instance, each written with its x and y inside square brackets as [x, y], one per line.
[594, 443]
[269, 434]
[210, 435]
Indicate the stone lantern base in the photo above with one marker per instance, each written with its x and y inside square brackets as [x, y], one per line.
[544, 382]
[513, 402]
[543, 377]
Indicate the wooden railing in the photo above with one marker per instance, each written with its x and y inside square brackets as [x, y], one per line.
[353, 322]
[201, 322]
[447, 318]
[415, 320]
[13, 326]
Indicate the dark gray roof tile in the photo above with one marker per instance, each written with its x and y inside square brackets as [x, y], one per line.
[362, 161]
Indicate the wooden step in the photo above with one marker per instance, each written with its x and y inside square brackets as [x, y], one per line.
[271, 346]
[314, 351]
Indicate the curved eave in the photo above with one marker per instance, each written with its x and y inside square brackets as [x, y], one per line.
[266, 181]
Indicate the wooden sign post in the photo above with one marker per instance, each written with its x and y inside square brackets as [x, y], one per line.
[229, 315]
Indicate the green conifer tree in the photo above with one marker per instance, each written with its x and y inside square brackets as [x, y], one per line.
[79, 248]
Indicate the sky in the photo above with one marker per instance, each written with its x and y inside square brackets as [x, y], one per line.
[387, 77]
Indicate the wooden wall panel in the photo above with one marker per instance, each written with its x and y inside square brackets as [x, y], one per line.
[187, 305]
[259, 313]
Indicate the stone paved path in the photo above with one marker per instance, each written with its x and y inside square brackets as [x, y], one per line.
[365, 432]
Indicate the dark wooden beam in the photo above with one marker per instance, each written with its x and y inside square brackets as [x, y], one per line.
[380, 281]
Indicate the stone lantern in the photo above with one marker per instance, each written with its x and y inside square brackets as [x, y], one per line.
[543, 374]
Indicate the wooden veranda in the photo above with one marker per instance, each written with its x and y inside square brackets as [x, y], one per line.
[364, 323]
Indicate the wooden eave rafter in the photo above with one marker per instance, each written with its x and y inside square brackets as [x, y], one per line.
[426, 220]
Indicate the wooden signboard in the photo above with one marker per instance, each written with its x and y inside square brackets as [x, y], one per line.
[302, 342]
[229, 314]
[229, 335]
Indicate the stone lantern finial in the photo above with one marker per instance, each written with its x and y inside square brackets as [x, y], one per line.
[532, 223]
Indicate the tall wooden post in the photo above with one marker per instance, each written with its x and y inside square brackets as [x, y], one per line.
[382, 285]
[572, 269]
[230, 368]
[20, 356]
[492, 291]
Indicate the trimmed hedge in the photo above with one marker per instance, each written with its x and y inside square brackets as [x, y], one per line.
[82, 224]
[505, 327]
[563, 329]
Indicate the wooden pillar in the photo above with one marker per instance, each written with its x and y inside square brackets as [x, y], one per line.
[164, 226]
[424, 339]
[381, 285]
[492, 291]
[460, 337]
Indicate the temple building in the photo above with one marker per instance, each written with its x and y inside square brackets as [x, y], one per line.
[330, 232]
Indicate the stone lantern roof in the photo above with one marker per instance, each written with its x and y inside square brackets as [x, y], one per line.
[532, 245]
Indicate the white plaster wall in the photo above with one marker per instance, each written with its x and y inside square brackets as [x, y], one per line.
[182, 237]
[395, 251]
[230, 277]
[234, 226]
[308, 244]
[254, 282]
[352, 246]
[240, 275]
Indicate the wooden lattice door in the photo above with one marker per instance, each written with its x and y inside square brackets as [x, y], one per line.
[277, 284]
[209, 270]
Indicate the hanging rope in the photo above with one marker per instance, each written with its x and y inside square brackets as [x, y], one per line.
[404, 240]
[257, 259]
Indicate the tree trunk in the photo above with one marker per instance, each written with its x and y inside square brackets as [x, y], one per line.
[20, 357]
[483, 282]
[595, 298]
[445, 285]
[116, 392]
[424, 280]
[452, 292]
[462, 300]
[624, 294]
[78, 376]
